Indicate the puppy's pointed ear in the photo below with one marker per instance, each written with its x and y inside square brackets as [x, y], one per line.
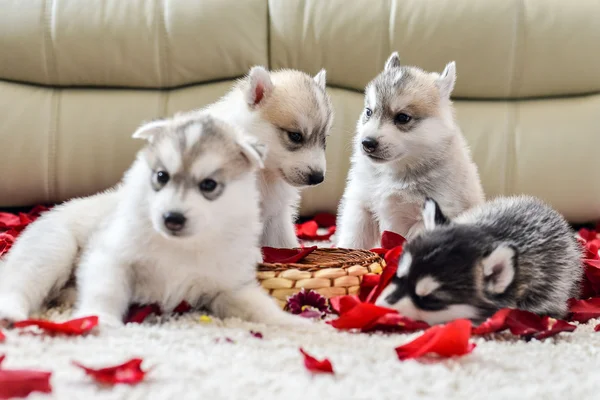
[433, 215]
[254, 151]
[393, 61]
[260, 86]
[446, 80]
[150, 131]
[499, 268]
[321, 79]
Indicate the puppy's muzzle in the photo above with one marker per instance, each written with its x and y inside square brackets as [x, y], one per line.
[315, 177]
[370, 144]
[174, 221]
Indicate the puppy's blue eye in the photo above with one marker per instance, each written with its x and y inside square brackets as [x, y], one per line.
[368, 112]
[295, 137]
[402, 119]
[162, 177]
[208, 185]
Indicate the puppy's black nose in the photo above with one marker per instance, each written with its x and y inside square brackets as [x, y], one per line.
[370, 144]
[174, 221]
[315, 178]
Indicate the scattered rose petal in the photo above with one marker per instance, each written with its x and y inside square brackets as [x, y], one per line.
[316, 366]
[391, 260]
[75, 327]
[448, 340]
[257, 335]
[138, 313]
[367, 284]
[307, 299]
[361, 316]
[205, 319]
[524, 323]
[182, 308]
[129, 372]
[285, 256]
[396, 323]
[2, 338]
[495, 323]
[597, 328]
[552, 327]
[325, 220]
[16, 383]
[584, 310]
[343, 304]
[309, 231]
[389, 240]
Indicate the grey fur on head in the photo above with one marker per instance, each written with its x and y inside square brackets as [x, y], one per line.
[514, 252]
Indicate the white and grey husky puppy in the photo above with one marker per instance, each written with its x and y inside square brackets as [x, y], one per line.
[512, 252]
[408, 146]
[184, 224]
[291, 113]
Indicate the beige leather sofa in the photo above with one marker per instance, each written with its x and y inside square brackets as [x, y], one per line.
[77, 76]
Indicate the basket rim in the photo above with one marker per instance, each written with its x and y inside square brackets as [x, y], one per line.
[368, 258]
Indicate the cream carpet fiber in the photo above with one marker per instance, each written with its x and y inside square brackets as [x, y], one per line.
[188, 361]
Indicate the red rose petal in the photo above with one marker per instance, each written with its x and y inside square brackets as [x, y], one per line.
[22, 382]
[597, 328]
[285, 256]
[495, 323]
[2, 338]
[76, 327]
[391, 260]
[129, 372]
[396, 323]
[316, 366]
[307, 229]
[257, 335]
[552, 327]
[182, 308]
[343, 304]
[389, 240]
[325, 220]
[584, 310]
[138, 313]
[361, 316]
[524, 323]
[448, 340]
[367, 284]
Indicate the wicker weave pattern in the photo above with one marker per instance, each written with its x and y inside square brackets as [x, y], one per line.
[330, 272]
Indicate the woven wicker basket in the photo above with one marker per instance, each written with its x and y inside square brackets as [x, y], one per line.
[330, 272]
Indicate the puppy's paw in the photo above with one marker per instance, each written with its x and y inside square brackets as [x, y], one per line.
[106, 321]
[287, 319]
[11, 310]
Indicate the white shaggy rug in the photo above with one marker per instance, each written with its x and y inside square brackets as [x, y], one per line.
[190, 359]
[189, 362]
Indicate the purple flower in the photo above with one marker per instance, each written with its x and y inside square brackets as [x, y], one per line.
[308, 304]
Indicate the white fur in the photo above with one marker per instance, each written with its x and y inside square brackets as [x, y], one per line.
[501, 263]
[426, 286]
[404, 265]
[406, 307]
[126, 256]
[429, 215]
[378, 198]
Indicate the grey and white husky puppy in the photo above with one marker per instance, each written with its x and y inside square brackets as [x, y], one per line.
[184, 224]
[511, 252]
[407, 147]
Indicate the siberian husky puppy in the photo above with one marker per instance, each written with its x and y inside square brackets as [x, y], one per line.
[512, 252]
[184, 224]
[407, 147]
